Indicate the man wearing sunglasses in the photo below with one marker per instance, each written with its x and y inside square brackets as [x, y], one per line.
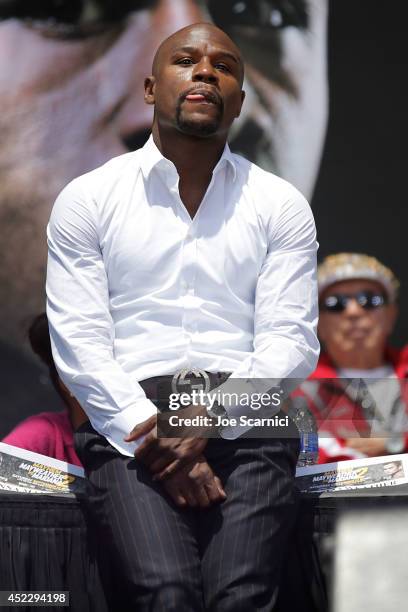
[358, 392]
[71, 97]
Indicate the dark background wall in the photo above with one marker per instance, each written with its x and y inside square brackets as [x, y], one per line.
[360, 201]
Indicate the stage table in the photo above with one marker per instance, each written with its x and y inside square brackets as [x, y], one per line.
[45, 544]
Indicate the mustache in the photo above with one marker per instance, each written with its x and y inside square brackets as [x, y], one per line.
[209, 94]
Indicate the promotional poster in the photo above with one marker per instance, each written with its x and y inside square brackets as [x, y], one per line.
[356, 474]
[23, 471]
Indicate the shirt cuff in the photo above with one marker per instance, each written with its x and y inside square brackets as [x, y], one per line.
[122, 424]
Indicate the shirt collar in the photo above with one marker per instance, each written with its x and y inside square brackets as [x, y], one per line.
[151, 157]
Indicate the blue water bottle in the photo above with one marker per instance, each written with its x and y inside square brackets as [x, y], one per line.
[306, 424]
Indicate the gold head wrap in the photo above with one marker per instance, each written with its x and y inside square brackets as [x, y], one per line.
[350, 266]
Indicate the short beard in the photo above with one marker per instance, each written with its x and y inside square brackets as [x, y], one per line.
[199, 129]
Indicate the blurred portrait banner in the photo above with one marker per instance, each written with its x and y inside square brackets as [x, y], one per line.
[71, 98]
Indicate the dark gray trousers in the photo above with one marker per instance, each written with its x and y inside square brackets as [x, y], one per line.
[162, 558]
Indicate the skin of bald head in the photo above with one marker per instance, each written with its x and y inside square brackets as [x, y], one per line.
[194, 26]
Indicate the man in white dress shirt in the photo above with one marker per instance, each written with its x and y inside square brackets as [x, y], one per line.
[182, 256]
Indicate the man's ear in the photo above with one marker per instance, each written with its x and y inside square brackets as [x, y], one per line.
[149, 87]
[242, 101]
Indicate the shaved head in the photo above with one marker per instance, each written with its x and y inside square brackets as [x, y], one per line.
[177, 37]
[196, 82]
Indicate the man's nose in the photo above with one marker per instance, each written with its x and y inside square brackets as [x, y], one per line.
[204, 71]
[353, 308]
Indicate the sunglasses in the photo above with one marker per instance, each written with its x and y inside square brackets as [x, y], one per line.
[85, 16]
[366, 299]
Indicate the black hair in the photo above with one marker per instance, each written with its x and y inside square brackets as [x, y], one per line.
[39, 337]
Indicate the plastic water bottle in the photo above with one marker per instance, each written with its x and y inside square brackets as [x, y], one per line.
[306, 424]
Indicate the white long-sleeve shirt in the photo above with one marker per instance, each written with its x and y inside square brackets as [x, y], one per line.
[136, 288]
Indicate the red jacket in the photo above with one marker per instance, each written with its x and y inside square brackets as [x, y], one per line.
[335, 411]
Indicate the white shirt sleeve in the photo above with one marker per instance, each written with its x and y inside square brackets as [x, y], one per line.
[81, 327]
[286, 348]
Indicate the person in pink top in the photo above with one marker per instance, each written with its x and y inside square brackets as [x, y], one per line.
[49, 433]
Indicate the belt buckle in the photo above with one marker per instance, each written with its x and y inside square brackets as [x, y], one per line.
[182, 381]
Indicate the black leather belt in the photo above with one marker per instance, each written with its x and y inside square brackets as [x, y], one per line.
[159, 388]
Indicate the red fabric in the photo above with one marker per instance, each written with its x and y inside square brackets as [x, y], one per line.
[47, 433]
[398, 358]
[335, 411]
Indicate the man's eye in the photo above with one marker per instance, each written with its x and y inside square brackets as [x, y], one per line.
[69, 16]
[259, 13]
[223, 67]
[185, 61]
